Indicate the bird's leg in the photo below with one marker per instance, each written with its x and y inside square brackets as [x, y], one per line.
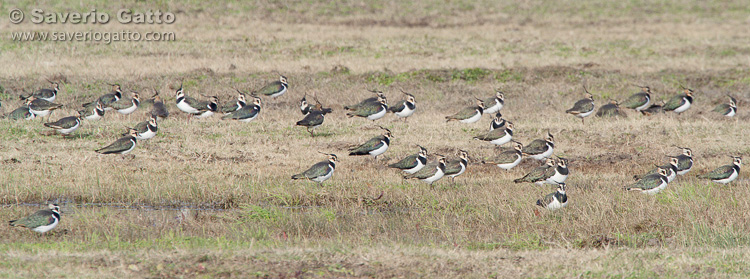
[583, 121]
[311, 132]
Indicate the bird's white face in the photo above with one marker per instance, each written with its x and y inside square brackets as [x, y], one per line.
[550, 162]
[646, 89]
[116, 88]
[662, 172]
[422, 151]
[738, 161]
[411, 99]
[500, 95]
[136, 96]
[510, 126]
[561, 188]
[589, 96]
[282, 79]
[256, 101]
[673, 161]
[518, 146]
[179, 93]
[464, 155]
[562, 162]
[687, 152]
[441, 160]
[152, 121]
[480, 103]
[55, 208]
[241, 97]
[550, 138]
[332, 158]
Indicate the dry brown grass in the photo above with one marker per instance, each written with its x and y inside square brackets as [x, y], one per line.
[471, 227]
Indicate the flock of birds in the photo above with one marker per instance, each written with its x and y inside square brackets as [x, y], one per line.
[552, 171]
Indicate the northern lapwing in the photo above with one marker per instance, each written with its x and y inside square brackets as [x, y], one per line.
[654, 109]
[159, 109]
[405, 108]
[726, 173]
[314, 118]
[247, 113]
[378, 95]
[109, 98]
[560, 173]
[47, 94]
[684, 160]
[671, 170]
[556, 200]
[370, 110]
[412, 163]
[469, 114]
[497, 122]
[681, 102]
[193, 106]
[498, 136]
[41, 221]
[234, 105]
[540, 149]
[146, 129]
[729, 109]
[539, 174]
[583, 107]
[122, 145]
[319, 172]
[611, 110]
[41, 107]
[66, 125]
[21, 113]
[93, 112]
[508, 159]
[458, 166]
[431, 172]
[373, 147]
[638, 101]
[650, 184]
[127, 106]
[494, 104]
[275, 88]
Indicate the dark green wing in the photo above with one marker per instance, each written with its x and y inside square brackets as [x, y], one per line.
[508, 156]
[537, 146]
[609, 110]
[243, 113]
[20, 113]
[271, 88]
[674, 102]
[366, 109]
[492, 135]
[407, 162]
[647, 183]
[429, 170]
[365, 148]
[118, 146]
[723, 109]
[546, 200]
[722, 172]
[314, 118]
[401, 106]
[159, 110]
[39, 218]
[121, 104]
[453, 167]
[534, 175]
[582, 106]
[63, 123]
[635, 100]
[141, 127]
[230, 107]
[465, 113]
[317, 170]
[362, 103]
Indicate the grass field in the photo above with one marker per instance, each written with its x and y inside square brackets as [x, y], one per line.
[213, 198]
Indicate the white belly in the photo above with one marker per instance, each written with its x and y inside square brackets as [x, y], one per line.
[415, 169]
[543, 155]
[94, 116]
[472, 119]
[206, 114]
[50, 99]
[503, 140]
[494, 108]
[183, 106]
[439, 174]
[728, 179]
[70, 130]
[463, 169]
[41, 113]
[279, 93]
[129, 110]
[656, 189]
[107, 109]
[246, 120]
[556, 179]
[555, 204]
[146, 135]
[130, 149]
[380, 150]
[508, 166]
[31, 116]
[644, 106]
[683, 107]
[406, 112]
[44, 229]
[378, 115]
[584, 114]
[325, 177]
[671, 176]
[731, 113]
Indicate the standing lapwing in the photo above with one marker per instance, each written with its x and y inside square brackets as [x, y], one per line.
[405, 108]
[186, 103]
[654, 109]
[21, 113]
[681, 102]
[314, 118]
[47, 94]
[41, 221]
[41, 107]
[560, 172]
[370, 110]
[458, 166]
[639, 101]
[431, 172]
[539, 174]
[126, 106]
[726, 173]
[583, 107]
[611, 110]
[468, 114]
[66, 125]
[412, 163]
[650, 184]
[540, 149]
[159, 109]
[109, 98]
[321, 171]
[146, 129]
[684, 160]
[494, 104]
[94, 112]
[247, 113]
[671, 170]
[728, 109]
[234, 105]
[378, 95]
[498, 136]
[275, 88]
[556, 200]
[497, 122]
[374, 147]
[122, 145]
[508, 159]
